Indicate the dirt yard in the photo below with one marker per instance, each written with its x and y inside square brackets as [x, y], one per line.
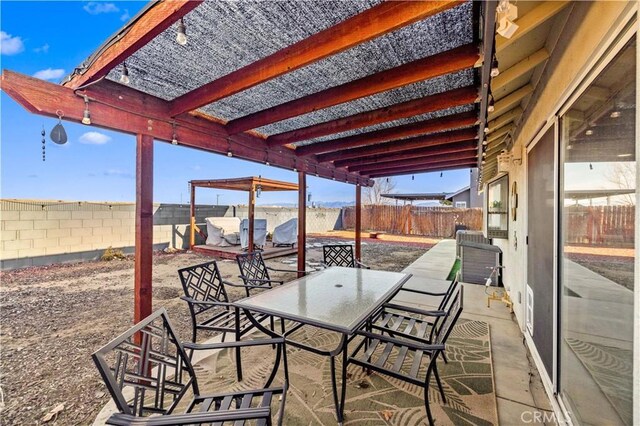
[54, 317]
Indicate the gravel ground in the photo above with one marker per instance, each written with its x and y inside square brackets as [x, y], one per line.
[54, 317]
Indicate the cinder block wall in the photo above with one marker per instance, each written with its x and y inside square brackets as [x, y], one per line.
[39, 232]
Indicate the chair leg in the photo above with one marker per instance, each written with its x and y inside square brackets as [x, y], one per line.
[435, 372]
[426, 398]
[238, 352]
[444, 357]
[272, 327]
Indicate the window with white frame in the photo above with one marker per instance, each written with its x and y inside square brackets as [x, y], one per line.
[461, 204]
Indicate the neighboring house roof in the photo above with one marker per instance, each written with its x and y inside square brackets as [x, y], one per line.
[458, 192]
[425, 196]
[586, 194]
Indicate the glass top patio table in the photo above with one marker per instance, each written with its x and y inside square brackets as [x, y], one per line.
[336, 298]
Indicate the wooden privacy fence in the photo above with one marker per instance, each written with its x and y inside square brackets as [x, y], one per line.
[600, 225]
[427, 221]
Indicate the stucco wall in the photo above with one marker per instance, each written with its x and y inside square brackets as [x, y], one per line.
[585, 33]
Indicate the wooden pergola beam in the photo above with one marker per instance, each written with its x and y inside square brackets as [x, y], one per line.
[449, 122]
[417, 162]
[138, 113]
[424, 169]
[402, 145]
[531, 21]
[457, 59]
[381, 160]
[372, 23]
[439, 101]
[143, 267]
[154, 21]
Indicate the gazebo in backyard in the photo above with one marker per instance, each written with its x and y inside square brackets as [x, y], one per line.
[349, 93]
[253, 185]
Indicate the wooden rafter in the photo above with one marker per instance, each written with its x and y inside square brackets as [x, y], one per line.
[530, 21]
[151, 23]
[436, 159]
[457, 59]
[454, 165]
[504, 119]
[439, 101]
[138, 113]
[518, 70]
[403, 145]
[407, 155]
[449, 122]
[510, 101]
[372, 23]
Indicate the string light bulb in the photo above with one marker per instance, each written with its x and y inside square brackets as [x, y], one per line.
[181, 37]
[492, 104]
[124, 77]
[495, 71]
[86, 116]
[174, 139]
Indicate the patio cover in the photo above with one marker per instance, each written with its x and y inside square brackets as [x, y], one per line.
[347, 91]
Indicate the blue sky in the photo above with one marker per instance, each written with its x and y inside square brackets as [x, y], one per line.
[48, 39]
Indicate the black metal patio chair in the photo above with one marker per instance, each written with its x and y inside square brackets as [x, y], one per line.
[411, 322]
[409, 360]
[209, 305]
[255, 273]
[340, 255]
[150, 359]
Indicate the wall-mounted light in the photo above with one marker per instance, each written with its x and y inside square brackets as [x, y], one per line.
[181, 37]
[86, 116]
[124, 76]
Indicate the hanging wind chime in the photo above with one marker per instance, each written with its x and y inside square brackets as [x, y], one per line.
[43, 141]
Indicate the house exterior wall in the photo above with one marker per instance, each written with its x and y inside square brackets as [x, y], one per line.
[590, 28]
[586, 30]
[462, 197]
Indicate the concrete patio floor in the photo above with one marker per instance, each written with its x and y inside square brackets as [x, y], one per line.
[519, 390]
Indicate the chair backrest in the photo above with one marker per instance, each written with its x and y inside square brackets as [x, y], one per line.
[338, 255]
[450, 290]
[203, 282]
[453, 312]
[252, 266]
[149, 358]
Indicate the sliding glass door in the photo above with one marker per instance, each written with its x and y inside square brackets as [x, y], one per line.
[598, 247]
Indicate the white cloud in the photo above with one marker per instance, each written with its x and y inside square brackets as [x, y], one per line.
[10, 45]
[119, 173]
[94, 138]
[96, 8]
[50, 74]
[42, 49]
[125, 16]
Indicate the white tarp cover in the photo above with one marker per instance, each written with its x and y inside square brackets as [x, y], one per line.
[286, 233]
[223, 231]
[259, 232]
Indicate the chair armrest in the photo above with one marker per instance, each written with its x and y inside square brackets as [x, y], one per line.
[361, 265]
[249, 285]
[204, 302]
[414, 310]
[428, 293]
[259, 280]
[191, 418]
[287, 270]
[240, 344]
[402, 342]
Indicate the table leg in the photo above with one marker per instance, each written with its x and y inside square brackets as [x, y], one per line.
[339, 404]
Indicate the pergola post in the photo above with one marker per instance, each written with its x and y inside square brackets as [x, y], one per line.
[192, 220]
[252, 213]
[358, 222]
[302, 222]
[144, 228]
